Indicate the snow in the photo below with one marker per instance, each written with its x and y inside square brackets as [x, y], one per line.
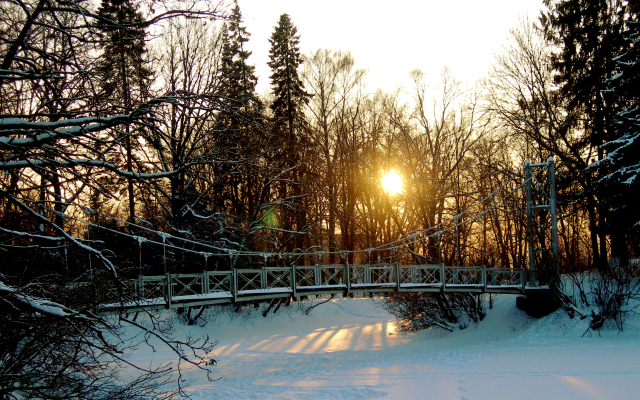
[350, 348]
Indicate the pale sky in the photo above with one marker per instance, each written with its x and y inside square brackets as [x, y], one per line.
[390, 38]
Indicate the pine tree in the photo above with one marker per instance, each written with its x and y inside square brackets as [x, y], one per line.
[237, 87]
[240, 138]
[124, 74]
[621, 167]
[288, 119]
[238, 80]
[287, 86]
[589, 35]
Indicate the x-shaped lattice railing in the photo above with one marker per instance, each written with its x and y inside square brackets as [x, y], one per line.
[358, 274]
[249, 280]
[381, 275]
[505, 277]
[305, 276]
[463, 276]
[151, 287]
[332, 275]
[219, 282]
[278, 278]
[187, 284]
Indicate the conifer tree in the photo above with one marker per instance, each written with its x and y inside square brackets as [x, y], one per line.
[238, 80]
[288, 120]
[621, 167]
[287, 86]
[124, 74]
[589, 35]
[240, 137]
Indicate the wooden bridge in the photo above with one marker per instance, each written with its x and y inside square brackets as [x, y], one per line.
[240, 285]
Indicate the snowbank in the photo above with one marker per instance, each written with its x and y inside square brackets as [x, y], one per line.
[350, 348]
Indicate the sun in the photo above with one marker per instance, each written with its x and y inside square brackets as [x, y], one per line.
[392, 182]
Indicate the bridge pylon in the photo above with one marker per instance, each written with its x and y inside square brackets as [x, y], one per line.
[541, 216]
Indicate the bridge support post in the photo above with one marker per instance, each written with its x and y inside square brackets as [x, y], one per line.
[550, 207]
[205, 282]
[397, 277]
[168, 291]
[234, 285]
[443, 278]
[484, 279]
[294, 284]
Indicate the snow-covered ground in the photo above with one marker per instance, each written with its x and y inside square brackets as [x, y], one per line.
[349, 348]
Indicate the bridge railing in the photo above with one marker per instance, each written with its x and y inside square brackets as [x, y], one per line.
[504, 277]
[315, 276]
[252, 281]
[377, 275]
[255, 284]
[420, 276]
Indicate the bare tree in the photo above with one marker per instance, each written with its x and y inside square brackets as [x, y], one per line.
[56, 150]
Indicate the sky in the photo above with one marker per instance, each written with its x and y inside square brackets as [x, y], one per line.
[390, 38]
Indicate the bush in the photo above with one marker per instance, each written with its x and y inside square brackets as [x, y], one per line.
[448, 311]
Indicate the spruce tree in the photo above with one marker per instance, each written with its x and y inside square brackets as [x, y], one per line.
[289, 121]
[238, 80]
[287, 85]
[589, 35]
[123, 70]
[240, 138]
[621, 167]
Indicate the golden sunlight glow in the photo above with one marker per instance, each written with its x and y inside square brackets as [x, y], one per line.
[392, 182]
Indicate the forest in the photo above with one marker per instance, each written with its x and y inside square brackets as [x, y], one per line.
[133, 142]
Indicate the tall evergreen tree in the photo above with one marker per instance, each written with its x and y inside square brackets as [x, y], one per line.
[288, 89]
[288, 118]
[124, 73]
[240, 137]
[589, 35]
[238, 80]
[621, 167]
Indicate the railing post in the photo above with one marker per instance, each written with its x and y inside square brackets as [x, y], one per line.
[205, 282]
[316, 276]
[397, 271]
[347, 273]
[443, 278]
[234, 286]
[484, 278]
[294, 284]
[263, 278]
[168, 291]
[523, 279]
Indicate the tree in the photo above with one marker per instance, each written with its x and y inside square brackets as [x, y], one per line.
[182, 140]
[336, 86]
[536, 119]
[124, 75]
[241, 134]
[289, 120]
[52, 127]
[589, 35]
[621, 166]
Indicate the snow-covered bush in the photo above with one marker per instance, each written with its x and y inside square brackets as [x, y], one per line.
[448, 311]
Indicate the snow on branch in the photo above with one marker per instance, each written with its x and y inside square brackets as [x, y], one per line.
[9, 165]
[39, 305]
[52, 131]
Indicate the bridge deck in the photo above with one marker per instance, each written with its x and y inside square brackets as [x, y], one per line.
[220, 287]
